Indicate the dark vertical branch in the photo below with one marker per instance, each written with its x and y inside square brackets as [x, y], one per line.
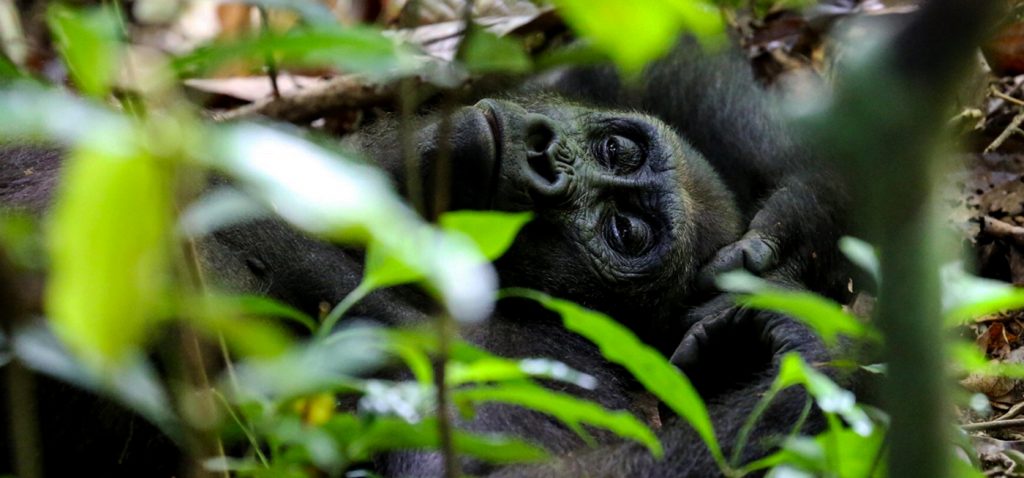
[445, 323]
[882, 129]
[21, 401]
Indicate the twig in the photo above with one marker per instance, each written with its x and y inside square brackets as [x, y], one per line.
[993, 425]
[1012, 412]
[1002, 230]
[341, 93]
[1006, 97]
[1010, 129]
[271, 65]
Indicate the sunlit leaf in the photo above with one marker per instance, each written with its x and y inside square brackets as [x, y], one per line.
[7, 70]
[840, 452]
[257, 306]
[863, 255]
[32, 112]
[570, 410]
[347, 201]
[971, 359]
[486, 52]
[651, 369]
[334, 364]
[353, 49]
[830, 397]
[109, 254]
[965, 297]
[824, 316]
[370, 437]
[220, 208]
[498, 369]
[633, 34]
[89, 42]
[491, 231]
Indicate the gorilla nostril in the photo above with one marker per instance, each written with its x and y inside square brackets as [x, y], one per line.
[543, 166]
[539, 137]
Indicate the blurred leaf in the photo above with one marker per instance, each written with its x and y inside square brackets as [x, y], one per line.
[820, 314]
[410, 401]
[570, 410]
[965, 297]
[863, 255]
[343, 200]
[486, 52]
[20, 239]
[633, 34]
[89, 42]
[378, 435]
[109, 251]
[971, 359]
[839, 452]
[317, 366]
[7, 70]
[830, 397]
[824, 316]
[651, 369]
[31, 112]
[257, 306]
[498, 369]
[132, 382]
[360, 50]
[491, 231]
[218, 209]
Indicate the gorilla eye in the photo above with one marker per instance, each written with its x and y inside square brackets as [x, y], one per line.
[629, 235]
[622, 155]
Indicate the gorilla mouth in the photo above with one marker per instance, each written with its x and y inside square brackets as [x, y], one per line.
[495, 128]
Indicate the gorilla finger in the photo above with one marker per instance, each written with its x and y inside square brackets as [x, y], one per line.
[687, 354]
[759, 252]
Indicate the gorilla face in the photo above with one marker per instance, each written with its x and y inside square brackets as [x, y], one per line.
[623, 207]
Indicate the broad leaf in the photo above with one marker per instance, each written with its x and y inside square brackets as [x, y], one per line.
[569, 409]
[620, 346]
[88, 41]
[109, 251]
[633, 34]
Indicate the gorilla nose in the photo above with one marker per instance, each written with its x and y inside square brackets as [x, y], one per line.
[541, 141]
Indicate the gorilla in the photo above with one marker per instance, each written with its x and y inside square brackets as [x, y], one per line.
[641, 190]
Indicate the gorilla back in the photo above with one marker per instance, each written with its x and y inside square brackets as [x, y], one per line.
[638, 195]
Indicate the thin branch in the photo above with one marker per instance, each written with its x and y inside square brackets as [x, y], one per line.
[993, 425]
[1002, 230]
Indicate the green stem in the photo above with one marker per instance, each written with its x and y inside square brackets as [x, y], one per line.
[339, 310]
[741, 439]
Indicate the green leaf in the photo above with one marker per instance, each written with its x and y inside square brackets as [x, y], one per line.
[258, 306]
[840, 452]
[830, 397]
[7, 70]
[498, 369]
[570, 410]
[863, 255]
[486, 52]
[965, 297]
[620, 346]
[384, 434]
[88, 40]
[361, 50]
[632, 33]
[337, 198]
[109, 251]
[491, 231]
[823, 315]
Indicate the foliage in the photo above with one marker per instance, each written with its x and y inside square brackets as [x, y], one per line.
[110, 293]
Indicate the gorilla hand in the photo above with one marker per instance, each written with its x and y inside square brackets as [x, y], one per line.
[731, 346]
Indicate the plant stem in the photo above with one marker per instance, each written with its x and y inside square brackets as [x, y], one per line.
[339, 310]
[445, 328]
